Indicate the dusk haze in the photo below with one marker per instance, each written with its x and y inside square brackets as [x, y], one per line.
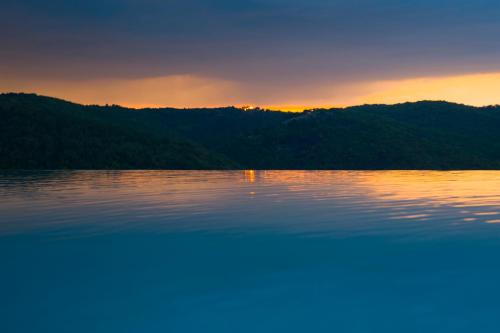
[270, 53]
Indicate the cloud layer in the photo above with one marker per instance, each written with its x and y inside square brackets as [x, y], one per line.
[266, 52]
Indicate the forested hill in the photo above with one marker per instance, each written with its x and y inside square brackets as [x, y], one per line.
[45, 133]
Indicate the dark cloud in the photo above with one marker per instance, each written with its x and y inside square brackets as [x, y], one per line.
[264, 43]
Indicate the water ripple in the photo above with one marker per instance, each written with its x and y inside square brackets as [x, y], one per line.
[303, 202]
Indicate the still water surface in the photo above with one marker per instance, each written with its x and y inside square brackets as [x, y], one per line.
[264, 251]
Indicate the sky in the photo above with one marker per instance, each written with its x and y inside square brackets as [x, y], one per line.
[286, 54]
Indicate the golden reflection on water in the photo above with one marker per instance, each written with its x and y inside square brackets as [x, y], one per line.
[459, 188]
[442, 186]
[249, 176]
[331, 197]
[479, 191]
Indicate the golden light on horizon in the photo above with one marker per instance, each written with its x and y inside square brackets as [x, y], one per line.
[472, 89]
[248, 107]
[297, 108]
[185, 91]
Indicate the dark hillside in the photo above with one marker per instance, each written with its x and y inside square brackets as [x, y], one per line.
[45, 133]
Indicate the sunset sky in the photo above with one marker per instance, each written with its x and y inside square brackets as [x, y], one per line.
[275, 53]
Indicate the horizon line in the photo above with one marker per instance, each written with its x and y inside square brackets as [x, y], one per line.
[247, 107]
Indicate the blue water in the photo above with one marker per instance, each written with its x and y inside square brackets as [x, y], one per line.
[265, 251]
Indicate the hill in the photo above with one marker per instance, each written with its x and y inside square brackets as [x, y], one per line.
[46, 133]
[39, 132]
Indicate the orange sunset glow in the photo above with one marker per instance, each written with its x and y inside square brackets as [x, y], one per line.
[190, 91]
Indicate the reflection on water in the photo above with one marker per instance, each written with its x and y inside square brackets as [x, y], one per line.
[249, 251]
[288, 201]
[249, 175]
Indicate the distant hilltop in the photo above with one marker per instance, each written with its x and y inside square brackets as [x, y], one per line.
[38, 132]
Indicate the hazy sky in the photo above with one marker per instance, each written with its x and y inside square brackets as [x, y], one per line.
[259, 52]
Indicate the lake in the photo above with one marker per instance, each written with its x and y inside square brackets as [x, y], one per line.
[249, 251]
